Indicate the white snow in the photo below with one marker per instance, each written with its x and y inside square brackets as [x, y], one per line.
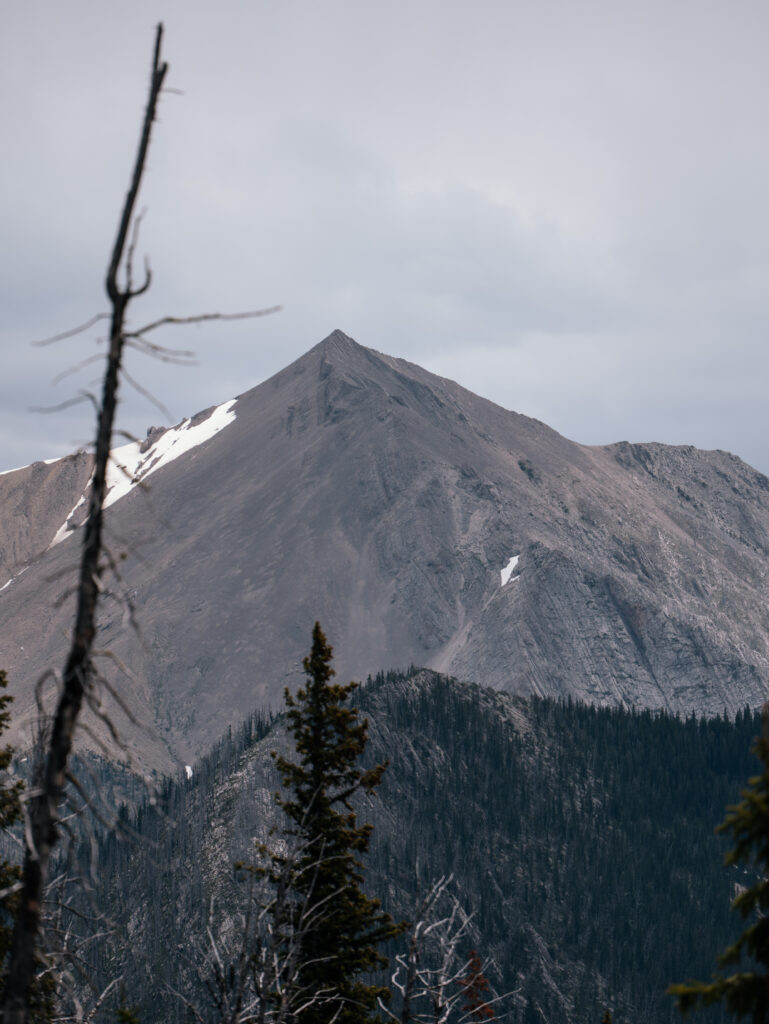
[188, 770]
[10, 581]
[129, 466]
[507, 572]
[64, 529]
[48, 462]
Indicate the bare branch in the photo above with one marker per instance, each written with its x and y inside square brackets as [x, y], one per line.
[51, 807]
[74, 369]
[147, 281]
[431, 976]
[201, 318]
[83, 396]
[131, 249]
[177, 357]
[146, 394]
[159, 72]
[87, 801]
[43, 814]
[73, 331]
[111, 690]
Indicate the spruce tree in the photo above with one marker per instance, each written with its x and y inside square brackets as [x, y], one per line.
[744, 993]
[336, 926]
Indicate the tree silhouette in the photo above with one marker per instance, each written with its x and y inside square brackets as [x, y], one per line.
[80, 678]
[10, 814]
[10, 874]
[744, 993]
[341, 927]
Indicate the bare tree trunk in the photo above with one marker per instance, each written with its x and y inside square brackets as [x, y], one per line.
[42, 831]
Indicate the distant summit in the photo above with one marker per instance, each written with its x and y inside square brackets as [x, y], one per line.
[421, 524]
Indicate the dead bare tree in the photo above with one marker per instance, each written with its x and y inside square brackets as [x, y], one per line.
[254, 976]
[430, 977]
[42, 822]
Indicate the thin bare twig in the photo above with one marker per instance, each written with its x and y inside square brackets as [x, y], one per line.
[146, 394]
[42, 819]
[96, 358]
[176, 356]
[159, 71]
[201, 318]
[82, 396]
[73, 331]
[132, 248]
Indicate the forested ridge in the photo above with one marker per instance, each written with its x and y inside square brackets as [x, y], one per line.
[581, 838]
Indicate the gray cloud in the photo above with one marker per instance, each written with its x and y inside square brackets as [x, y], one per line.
[562, 206]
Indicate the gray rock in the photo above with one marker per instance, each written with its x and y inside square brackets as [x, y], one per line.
[362, 491]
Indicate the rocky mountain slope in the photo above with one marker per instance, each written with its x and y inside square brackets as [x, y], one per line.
[420, 524]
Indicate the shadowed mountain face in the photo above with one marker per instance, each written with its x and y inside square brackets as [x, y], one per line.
[365, 492]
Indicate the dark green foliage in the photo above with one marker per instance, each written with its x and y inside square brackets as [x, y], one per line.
[584, 842]
[744, 993]
[582, 839]
[125, 1015]
[41, 999]
[338, 938]
[10, 814]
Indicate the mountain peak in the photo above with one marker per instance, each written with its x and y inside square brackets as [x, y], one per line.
[339, 339]
[337, 344]
[421, 524]
[341, 358]
[338, 351]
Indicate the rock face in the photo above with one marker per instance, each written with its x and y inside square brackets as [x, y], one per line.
[365, 492]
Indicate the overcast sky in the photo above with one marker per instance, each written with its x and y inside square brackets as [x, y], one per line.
[561, 205]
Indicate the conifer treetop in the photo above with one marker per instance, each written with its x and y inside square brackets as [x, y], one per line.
[744, 993]
[336, 927]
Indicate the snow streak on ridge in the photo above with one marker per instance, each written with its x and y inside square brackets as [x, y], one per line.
[130, 466]
[10, 581]
[48, 462]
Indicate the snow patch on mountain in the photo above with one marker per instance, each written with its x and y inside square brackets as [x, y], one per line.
[507, 572]
[10, 581]
[47, 462]
[67, 526]
[130, 465]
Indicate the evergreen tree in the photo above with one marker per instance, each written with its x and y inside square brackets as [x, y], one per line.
[41, 996]
[744, 993]
[336, 927]
[10, 814]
